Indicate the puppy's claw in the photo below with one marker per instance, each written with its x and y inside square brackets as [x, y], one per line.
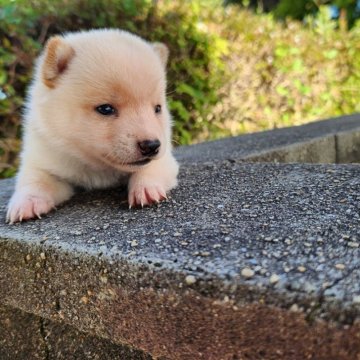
[144, 195]
[24, 206]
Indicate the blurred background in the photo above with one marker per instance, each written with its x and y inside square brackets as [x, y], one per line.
[236, 66]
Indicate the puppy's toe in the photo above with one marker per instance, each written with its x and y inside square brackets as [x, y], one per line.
[25, 207]
[143, 195]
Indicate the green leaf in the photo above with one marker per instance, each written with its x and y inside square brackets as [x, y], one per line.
[281, 90]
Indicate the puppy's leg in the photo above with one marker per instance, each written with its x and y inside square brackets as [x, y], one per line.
[37, 192]
[150, 184]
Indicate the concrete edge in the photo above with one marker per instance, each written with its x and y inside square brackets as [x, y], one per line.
[327, 141]
[134, 306]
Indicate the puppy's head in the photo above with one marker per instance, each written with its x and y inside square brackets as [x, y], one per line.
[101, 94]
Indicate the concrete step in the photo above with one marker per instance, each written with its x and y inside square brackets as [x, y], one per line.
[328, 141]
[245, 261]
[26, 336]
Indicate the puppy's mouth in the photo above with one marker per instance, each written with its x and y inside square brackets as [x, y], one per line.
[140, 162]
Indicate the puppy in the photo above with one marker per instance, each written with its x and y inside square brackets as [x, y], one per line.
[96, 116]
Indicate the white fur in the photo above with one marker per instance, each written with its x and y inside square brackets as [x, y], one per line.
[66, 143]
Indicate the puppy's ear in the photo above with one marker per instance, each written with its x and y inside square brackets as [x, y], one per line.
[162, 51]
[57, 55]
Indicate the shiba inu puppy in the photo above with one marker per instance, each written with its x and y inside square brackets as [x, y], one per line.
[96, 116]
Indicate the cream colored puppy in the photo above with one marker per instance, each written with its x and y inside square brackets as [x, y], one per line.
[96, 117]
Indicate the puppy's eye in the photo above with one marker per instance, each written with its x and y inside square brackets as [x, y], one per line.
[105, 109]
[157, 109]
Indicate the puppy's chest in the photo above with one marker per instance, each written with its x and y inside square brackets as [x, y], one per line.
[96, 179]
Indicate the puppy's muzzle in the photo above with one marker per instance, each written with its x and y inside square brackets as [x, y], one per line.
[149, 148]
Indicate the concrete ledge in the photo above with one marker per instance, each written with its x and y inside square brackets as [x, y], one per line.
[170, 280]
[26, 336]
[20, 335]
[348, 146]
[254, 261]
[328, 141]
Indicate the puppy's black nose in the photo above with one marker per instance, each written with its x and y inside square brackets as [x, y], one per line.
[149, 147]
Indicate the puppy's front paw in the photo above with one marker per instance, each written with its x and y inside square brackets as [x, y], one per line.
[25, 205]
[143, 193]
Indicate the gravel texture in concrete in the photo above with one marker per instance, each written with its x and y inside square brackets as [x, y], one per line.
[26, 336]
[20, 335]
[256, 260]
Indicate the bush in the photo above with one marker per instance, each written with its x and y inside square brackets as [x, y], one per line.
[231, 71]
[287, 73]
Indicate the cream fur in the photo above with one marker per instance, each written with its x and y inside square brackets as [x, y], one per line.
[67, 143]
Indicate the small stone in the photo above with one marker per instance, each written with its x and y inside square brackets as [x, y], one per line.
[356, 299]
[177, 234]
[63, 293]
[247, 273]
[253, 262]
[134, 243]
[274, 278]
[257, 268]
[353, 244]
[104, 279]
[157, 241]
[42, 256]
[190, 279]
[216, 246]
[28, 257]
[294, 308]
[301, 268]
[340, 266]
[205, 253]
[84, 300]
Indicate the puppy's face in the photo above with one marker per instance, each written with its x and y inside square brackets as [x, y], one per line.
[102, 95]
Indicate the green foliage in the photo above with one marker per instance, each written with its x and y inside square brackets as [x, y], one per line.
[288, 73]
[348, 10]
[17, 51]
[296, 9]
[230, 70]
